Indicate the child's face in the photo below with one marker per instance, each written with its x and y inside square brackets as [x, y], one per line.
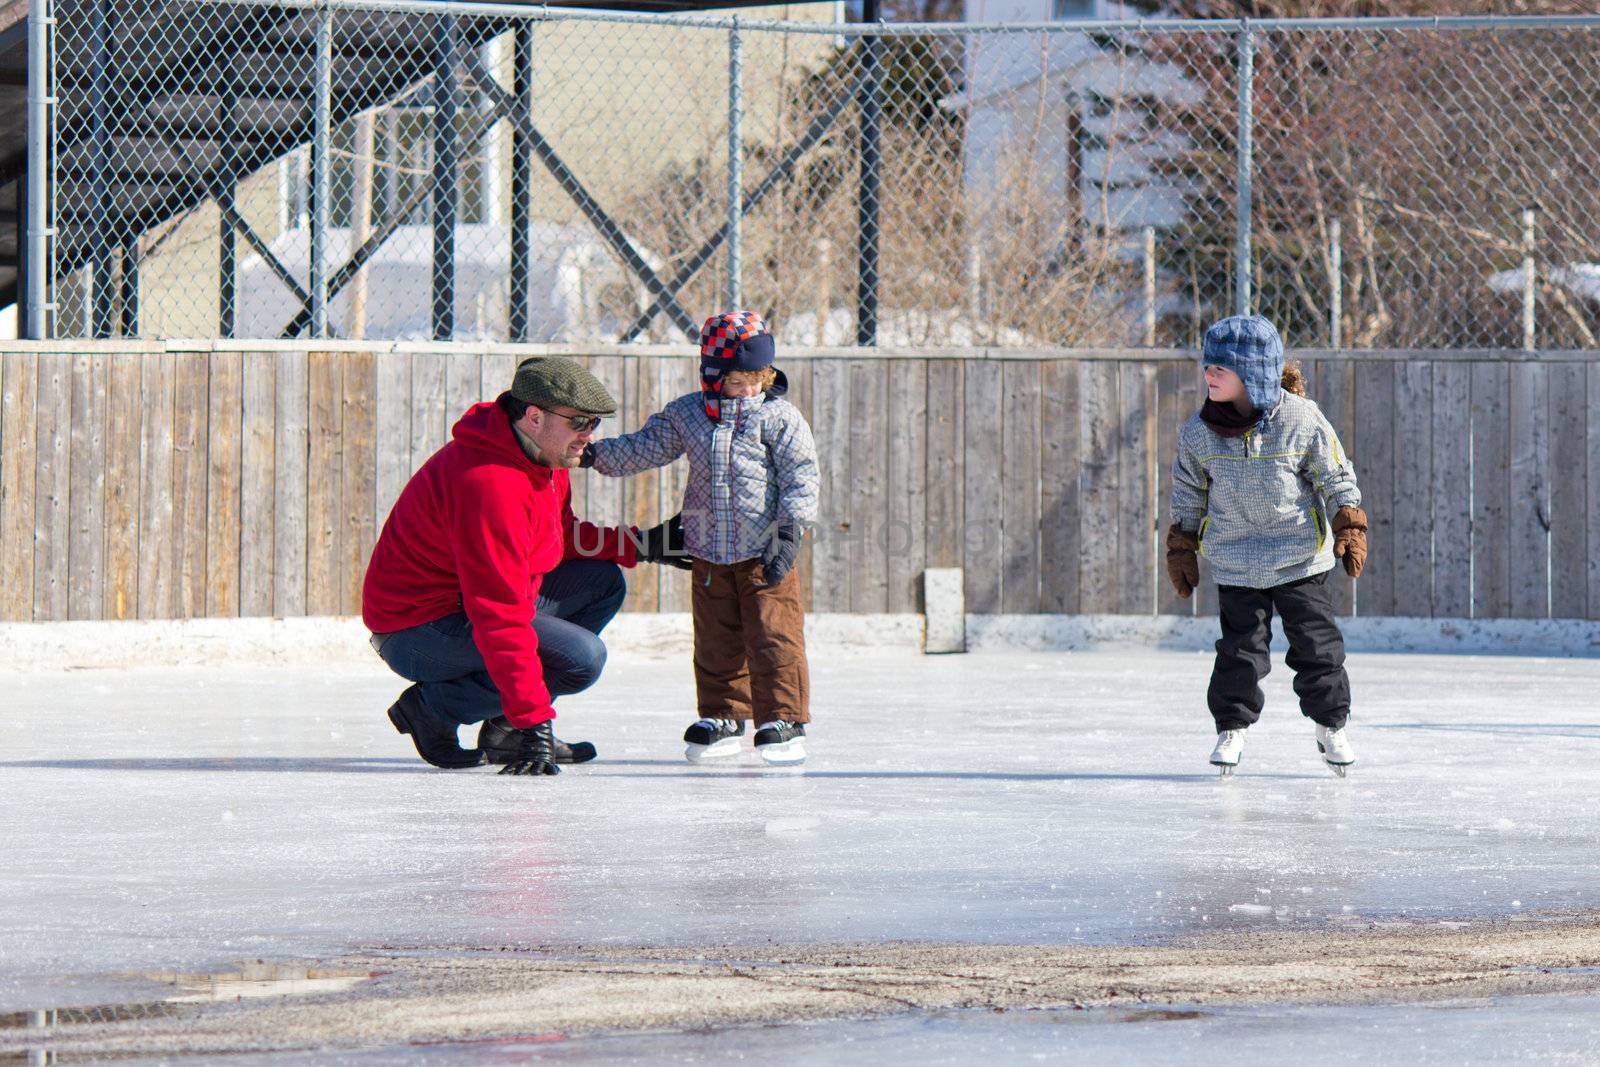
[1222, 385]
[738, 384]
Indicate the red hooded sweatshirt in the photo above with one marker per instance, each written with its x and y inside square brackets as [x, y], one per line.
[476, 530]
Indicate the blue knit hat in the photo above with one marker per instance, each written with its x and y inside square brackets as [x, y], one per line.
[1249, 346]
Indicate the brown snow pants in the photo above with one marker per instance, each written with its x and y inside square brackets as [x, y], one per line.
[749, 644]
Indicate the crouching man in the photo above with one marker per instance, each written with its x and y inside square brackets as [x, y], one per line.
[486, 592]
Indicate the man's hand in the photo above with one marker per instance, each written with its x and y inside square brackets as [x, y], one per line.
[1350, 539]
[535, 751]
[664, 544]
[780, 553]
[1183, 560]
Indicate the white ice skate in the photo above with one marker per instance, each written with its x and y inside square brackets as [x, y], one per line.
[1336, 750]
[712, 739]
[1230, 746]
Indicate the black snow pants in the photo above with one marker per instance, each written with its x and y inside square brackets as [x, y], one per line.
[1316, 652]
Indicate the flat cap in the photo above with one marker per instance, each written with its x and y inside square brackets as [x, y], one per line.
[555, 381]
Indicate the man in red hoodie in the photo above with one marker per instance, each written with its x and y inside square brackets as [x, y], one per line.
[486, 591]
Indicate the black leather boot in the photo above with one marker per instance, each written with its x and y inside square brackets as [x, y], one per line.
[434, 737]
[498, 741]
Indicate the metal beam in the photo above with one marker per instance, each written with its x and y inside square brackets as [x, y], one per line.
[447, 61]
[521, 187]
[100, 240]
[517, 113]
[321, 186]
[869, 190]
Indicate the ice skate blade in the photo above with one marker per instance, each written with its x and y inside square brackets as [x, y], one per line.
[727, 748]
[1339, 769]
[786, 754]
[1225, 770]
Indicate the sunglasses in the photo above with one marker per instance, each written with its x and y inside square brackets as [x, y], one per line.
[579, 423]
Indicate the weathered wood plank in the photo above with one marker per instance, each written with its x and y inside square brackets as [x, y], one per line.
[52, 520]
[1375, 461]
[1491, 482]
[291, 439]
[799, 375]
[1451, 494]
[674, 378]
[1593, 553]
[392, 429]
[1413, 489]
[869, 479]
[1174, 383]
[158, 580]
[431, 418]
[830, 557]
[19, 390]
[324, 475]
[1529, 492]
[463, 385]
[225, 478]
[983, 501]
[1571, 507]
[642, 492]
[1100, 422]
[257, 483]
[908, 483]
[86, 588]
[1335, 395]
[1136, 490]
[190, 419]
[1059, 504]
[1021, 581]
[359, 476]
[121, 592]
[604, 495]
[946, 467]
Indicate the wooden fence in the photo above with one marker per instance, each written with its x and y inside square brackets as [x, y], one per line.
[160, 481]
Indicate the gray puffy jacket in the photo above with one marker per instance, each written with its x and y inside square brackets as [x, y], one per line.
[1262, 502]
[753, 469]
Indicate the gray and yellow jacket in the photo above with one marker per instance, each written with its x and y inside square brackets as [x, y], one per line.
[1261, 502]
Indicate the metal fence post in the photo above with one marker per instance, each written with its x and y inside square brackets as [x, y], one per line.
[320, 187]
[445, 104]
[735, 165]
[102, 296]
[1336, 284]
[34, 290]
[1530, 283]
[521, 183]
[871, 108]
[1241, 255]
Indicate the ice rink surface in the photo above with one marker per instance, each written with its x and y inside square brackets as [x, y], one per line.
[190, 818]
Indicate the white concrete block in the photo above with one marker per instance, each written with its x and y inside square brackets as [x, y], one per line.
[944, 599]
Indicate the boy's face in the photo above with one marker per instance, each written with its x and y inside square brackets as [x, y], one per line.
[1222, 385]
[738, 384]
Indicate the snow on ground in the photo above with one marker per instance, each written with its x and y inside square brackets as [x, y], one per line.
[192, 817]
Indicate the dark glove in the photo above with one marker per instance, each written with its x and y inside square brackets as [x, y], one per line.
[780, 553]
[587, 459]
[1350, 539]
[664, 544]
[1183, 560]
[535, 751]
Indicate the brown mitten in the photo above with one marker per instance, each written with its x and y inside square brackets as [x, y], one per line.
[1183, 562]
[1350, 539]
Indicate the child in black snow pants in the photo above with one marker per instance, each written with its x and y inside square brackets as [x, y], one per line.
[1259, 470]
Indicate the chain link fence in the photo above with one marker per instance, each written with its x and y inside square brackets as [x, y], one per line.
[396, 171]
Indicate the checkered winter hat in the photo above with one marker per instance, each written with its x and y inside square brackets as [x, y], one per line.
[730, 341]
[1249, 346]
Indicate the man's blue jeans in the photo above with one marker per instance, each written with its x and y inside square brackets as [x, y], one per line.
[576, 600]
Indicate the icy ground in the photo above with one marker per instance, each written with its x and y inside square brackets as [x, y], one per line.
[190, 818]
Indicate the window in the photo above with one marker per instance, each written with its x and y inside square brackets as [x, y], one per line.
[1074, 9]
